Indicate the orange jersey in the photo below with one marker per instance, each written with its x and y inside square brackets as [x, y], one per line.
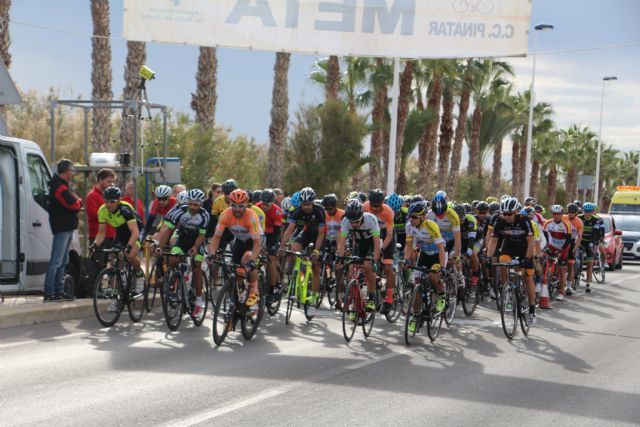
[244, 228]
[332, 227]
[385, 216]
[576, 226]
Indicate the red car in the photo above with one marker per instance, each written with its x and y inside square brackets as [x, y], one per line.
[613, 245]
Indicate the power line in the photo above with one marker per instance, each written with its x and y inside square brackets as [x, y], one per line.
[59, 30]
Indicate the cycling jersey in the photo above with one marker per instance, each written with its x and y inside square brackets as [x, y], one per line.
[558, 234]
[219, 205]
[576, 226]
[424, 237]
[385, 216]
[513, 233]
[157, 214]
[400, 219]
[333, 224]
[449, 223]
[310, 221]
[245, 228]
[469, 229]
[261, 217]
[188, 225]
[593, 229]
[368, 229]
[273, 217]
[119, 220]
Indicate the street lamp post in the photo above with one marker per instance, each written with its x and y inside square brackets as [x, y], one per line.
[596, 191]
[527, 171]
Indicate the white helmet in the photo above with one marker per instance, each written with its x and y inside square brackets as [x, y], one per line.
[195, 195]
[163, 191]
[183, 197]
[555, 209]
[510, 204]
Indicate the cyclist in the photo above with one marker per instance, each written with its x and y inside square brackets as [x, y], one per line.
[423, 237]
[333, 220]
[162, 204]
[310, 217]
[219, 205]
[576, 236]
[273, 227]
[592, 230]
[449, 223]
[365, 229]
[190, 222]
[244, 226]
[384, 214]
[400, 217]
[121, 216]
[468, 236]
[539, 243]
[517, 238]
[558, 234]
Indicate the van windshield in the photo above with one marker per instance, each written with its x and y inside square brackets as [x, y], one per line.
[624, 207]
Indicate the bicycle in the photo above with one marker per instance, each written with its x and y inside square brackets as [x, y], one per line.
[577, 269]
[178, 294]
[230, 305]
[471, 295]
[422, 308]
[402, 289]
[298, 290]
[156, 278]
[354, 312]
[550, 275]
[514, 302]
[117, 283]
[328, 281]
[599, 272]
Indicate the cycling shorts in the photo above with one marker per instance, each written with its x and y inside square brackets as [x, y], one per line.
[182, 250]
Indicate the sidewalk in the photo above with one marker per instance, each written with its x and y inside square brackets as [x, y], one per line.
[21, 310]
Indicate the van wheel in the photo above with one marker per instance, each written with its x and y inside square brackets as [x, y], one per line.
[71, 277]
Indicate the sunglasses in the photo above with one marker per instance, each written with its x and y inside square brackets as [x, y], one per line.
[508, 214]
[307, 204]
[355, 222]
[113, 201]
[414, 216]
[163, 199]
[238, 206]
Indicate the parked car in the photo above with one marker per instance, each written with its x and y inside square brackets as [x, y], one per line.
[630, 226]
[612, 242]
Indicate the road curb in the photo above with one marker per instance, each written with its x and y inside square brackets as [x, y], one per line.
[37, 312]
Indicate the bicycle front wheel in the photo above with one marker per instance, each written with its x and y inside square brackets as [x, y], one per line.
[108, 297]
[452, 301]
[151, 290]
[331, 285]
[172, 300]
[136, 290]
[509, 312]
[599, 271]
[291, 296]
[223, 314]
[434, 322]
[471, 299]
[191, 301]
[350, 310]
[413, 319]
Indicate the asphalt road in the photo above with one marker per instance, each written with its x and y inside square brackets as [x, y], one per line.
[579, 366]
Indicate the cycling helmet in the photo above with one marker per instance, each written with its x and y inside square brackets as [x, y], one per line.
[439, 203]
[239, 197]
[394, 201]
[268, 196]
[307, 194]
[491, 199]
[504, 197]
[330, 201]
[376, 196]
[530, 201]
[362, 197]
[482, 207]
[474, 204]
[295, 200]
[578, 203]
[255, 196]
[163, 191]
[528, 212]
[441, 193]
[182, 197]
[467, 207]
[416, 198]
[589, 207]
[352, 195]
[572, 208]
[557, 209]
[494, 207]
[195, 195]
[228, 186]
[540, 209]
[286, 204]
[113, 193]
[510, 204]
[518, 206]
[353, 210]
[459, 209]
[418, 208]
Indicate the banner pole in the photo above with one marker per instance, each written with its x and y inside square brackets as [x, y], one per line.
[393, 134]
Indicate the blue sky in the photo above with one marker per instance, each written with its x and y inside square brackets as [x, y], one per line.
[572, 82]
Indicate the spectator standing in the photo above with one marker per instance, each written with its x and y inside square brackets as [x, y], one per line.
[105, 178]
[129, 193]
[64, 206]
[178, 188]
[279, 196]
[214, 192]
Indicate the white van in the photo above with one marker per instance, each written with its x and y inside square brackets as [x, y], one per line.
[25, 234]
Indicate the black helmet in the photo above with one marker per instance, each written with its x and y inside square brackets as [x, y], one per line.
[376, 197]
[307, 194]
[467, 207]
[255, 196]
[330, 201]
[572, 208]
[459, 209]
[578, 202]
[494, 207]
[416, 198]
[268, 196]
[353, 210]
[112, 193]
[228, 186]
[418, 208]
[362, 197]
[482, 207]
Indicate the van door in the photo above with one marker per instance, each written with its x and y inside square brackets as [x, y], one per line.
[40, 236]
[9, 214]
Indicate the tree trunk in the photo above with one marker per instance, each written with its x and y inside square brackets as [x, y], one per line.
[458, 140]
[101, 74]
[427, 146]
[279, 120]
[446, 133]
[496, 173]
[203, 102]
[404, 99]
[136, 57]
[515, 159]
[552, 183]
[474, 147]
[333, 78]
[535, 173]
[5, 41]
[571, 184]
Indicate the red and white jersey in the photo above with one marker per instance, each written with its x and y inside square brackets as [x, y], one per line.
[558, 233]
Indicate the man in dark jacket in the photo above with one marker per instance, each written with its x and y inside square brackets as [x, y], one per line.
[64, 206]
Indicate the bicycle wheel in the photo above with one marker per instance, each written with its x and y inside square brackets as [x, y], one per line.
[598, 269]
[223, 313]
[250, 319]
[434, 321]
[523, 309]
[470, 300]
[452, 300]
[291, 295]
[191, 301]
[414, 315]
[350, 310]
[396, 308]
[509, 314]
[153, 286]
[307, 305]
[331, 285]
[172, 301]
[108, 297]
[135, 300]
[497, 289]
[367, 323]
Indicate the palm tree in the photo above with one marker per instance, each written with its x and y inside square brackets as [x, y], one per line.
[5, 40]
[416, 122]
[546, 153]
[203, 102]
[463, 108]
[136, 57]
[279, 119]
[404, 101]
[575, 141]
[380, 125]
[101, 74]
[451, 82]
[332, 87]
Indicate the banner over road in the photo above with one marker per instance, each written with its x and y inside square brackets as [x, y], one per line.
[387, 28]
